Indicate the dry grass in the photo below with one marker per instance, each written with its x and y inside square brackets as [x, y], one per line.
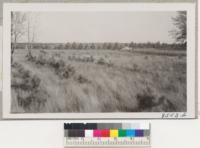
[104, 81]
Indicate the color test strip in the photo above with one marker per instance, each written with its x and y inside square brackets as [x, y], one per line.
[91, 134]
[107, 133]
[105, 130]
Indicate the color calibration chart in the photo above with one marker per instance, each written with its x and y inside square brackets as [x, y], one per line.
[107, 134]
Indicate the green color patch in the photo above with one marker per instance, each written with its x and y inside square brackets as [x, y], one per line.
[122, 133]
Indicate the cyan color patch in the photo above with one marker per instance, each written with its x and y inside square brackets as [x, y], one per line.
[130, 133]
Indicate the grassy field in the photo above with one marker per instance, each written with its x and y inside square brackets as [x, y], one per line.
[98, 81]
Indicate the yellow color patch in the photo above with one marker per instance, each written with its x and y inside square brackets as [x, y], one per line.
[113, 133]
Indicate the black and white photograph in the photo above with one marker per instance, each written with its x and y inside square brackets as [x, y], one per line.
[126, 61]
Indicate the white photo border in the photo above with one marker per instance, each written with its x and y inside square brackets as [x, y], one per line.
[91, 7]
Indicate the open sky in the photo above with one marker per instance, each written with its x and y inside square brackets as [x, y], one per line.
[64, 27]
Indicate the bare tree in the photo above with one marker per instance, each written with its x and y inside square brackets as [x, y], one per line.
[180, 22]
[23, 26]
[31, 32]
[18, 20]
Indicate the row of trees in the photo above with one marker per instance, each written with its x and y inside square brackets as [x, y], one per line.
[106, 45]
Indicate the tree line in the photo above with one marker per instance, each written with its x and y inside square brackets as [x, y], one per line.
[105, 45]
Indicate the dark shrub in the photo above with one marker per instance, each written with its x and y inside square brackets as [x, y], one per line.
[57, 54]
[148, 101]
[164, 104]
[24, 79]
[81, 79]
[60, 63]
[56, 63]
[135, 67]
[145, 100]
[35, 99]
[43, 51]
[30, 57]
[41, 60]
[35, 81]
[91, 59]
[16, 65]
[23, 101]
[66, 72]
[38, 99]
[51, 60]
[101, 61]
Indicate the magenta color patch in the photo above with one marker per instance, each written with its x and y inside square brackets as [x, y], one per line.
[97, 133]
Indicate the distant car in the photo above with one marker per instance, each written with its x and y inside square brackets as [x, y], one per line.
[127, 48]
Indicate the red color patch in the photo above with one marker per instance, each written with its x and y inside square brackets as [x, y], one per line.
[105, 133]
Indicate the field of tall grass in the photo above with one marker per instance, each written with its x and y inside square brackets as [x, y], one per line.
[97, 81]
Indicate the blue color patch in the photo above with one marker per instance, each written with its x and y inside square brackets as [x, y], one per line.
[139, 133]
[130, 133]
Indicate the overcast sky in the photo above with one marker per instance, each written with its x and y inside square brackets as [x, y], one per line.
[103, 27]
